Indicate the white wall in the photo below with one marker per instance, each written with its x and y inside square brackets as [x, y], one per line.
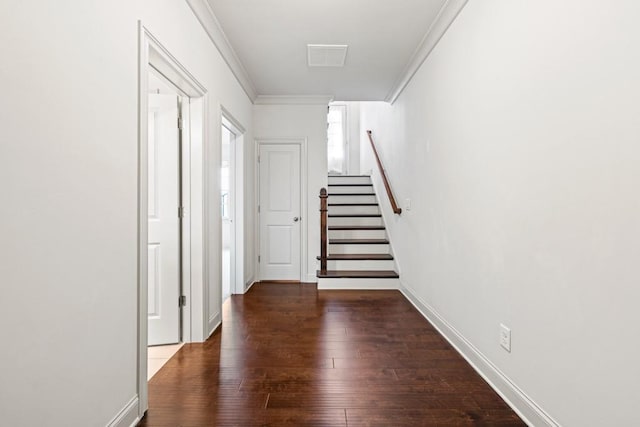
[301, 121]
[518, 144]
[68, 163]
[249, 205]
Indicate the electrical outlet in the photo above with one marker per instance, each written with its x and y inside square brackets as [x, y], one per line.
[505, 337]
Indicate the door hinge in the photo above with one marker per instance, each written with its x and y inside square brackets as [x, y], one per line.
[180, 211]
[258, 208]
[258, 159]
[180, 123]
[258, 258]
[182, 301]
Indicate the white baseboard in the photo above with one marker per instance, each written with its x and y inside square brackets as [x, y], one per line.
[128, 416]
[311, 278]
[530, 412]
[214, 322]
[248, 285]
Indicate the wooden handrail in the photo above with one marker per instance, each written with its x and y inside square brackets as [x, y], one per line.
[323, 230]
[392, 199]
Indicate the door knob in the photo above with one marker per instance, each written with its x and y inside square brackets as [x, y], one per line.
[296, 219]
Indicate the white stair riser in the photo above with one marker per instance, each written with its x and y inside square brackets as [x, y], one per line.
[361, 265]
[349, 179]
[357, 234]
[358, 249]
[354, 210]
[358, 283]
[352, 199]
[354, 221]
[350, 189]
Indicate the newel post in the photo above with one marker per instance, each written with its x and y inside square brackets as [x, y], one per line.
[323, 230]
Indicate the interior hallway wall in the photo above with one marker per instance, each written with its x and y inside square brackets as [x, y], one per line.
[301, 121]
[68, 164]
[518, 144]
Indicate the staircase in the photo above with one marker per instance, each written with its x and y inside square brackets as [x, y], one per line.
[358, 252]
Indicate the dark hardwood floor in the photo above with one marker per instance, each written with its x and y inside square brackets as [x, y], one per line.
[290, 355]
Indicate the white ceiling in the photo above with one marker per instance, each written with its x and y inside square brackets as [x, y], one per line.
[270, 40]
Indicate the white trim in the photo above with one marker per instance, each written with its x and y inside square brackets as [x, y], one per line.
[293, 100]
[153, 55]
[143, 225]
[248, 285]
[235, 197]
[238, 128]
[304, 232]
[358, 284]
[128, 416]
[201, 241]
[238, 193]
[203, 12]
[523, 405]
[447, 14]
[185, 183]
[215, 321]
[311, 278]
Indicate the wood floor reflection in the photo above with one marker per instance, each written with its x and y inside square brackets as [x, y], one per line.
[290, 355]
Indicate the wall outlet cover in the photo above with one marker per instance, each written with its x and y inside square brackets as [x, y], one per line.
[505, 337]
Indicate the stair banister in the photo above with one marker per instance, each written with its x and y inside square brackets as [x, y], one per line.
[323, 230]
[387, 186]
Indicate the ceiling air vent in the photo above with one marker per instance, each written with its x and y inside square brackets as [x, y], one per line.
[326, 55]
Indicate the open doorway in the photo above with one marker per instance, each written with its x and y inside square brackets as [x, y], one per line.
[231, 205]
[227, 205]
[165, 220]
[191, 240]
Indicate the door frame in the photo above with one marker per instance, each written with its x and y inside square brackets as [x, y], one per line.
[304, 231]
[152, 54]
[183, 200]
[232, 207]
[237, 179]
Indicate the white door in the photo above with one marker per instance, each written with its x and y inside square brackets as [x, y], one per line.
[280, 222]
[164, 220]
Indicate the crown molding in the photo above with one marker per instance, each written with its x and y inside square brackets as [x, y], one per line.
[447, 14]
[203, 12]
[293, 100]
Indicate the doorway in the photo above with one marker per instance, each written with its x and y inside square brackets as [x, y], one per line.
[227, 206]
[192, 239]
[164, 211]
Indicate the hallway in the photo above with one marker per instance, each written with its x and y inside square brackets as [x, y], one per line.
[291, 355]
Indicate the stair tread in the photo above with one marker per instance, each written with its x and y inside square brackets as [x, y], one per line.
[356, 227]
[359, 257]
[350, 185]
[351, 194]
[358, 274]
[353, 204]
[355, 215]
[358, 242]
